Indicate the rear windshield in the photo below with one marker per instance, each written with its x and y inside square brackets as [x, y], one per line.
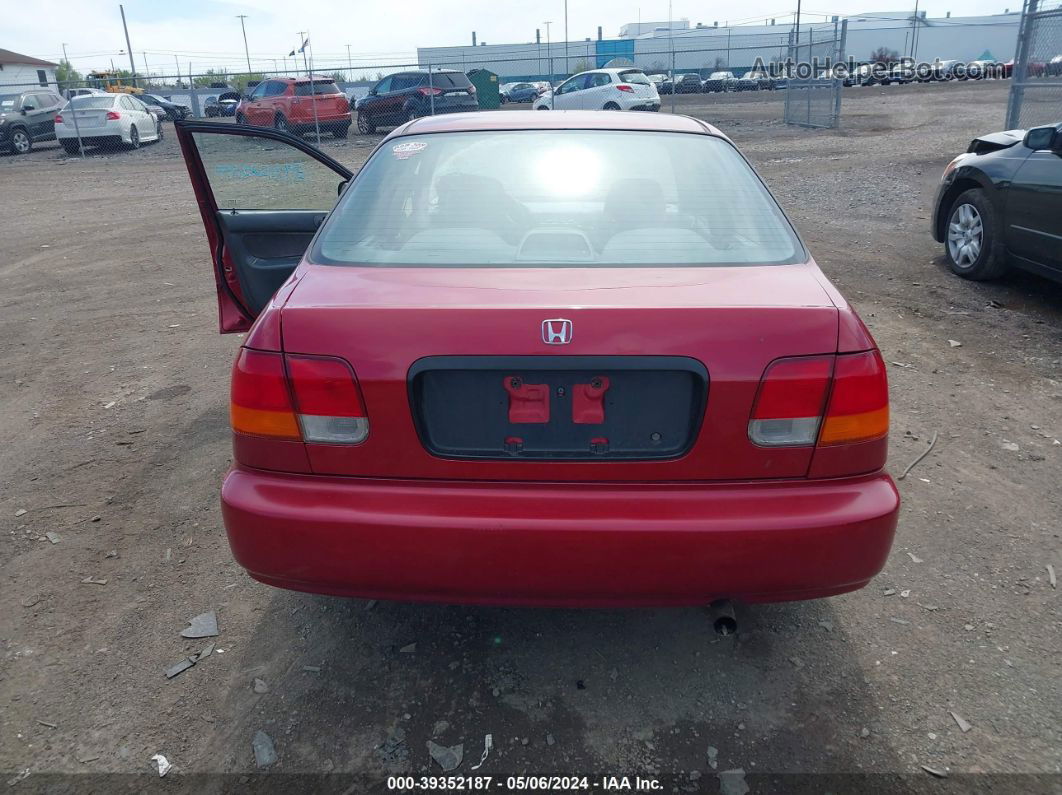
[634, 76]
[573, 198]
[450, 80]
[319, 87]
[8, 101]
[90, 101]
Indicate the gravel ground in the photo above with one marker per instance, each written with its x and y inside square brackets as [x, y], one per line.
[113, 435]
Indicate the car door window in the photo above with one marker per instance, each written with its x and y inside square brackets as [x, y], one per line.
[275, 88]
[252, 173]
[599, 79]
[577, 83]
[383, 86]
[259, 90]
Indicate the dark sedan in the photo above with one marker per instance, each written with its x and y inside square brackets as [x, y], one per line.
[174, 110]
[1000, 205]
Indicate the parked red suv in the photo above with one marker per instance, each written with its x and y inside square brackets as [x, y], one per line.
[515, 364]
[293, 104]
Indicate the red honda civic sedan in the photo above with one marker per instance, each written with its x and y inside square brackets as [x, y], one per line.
[565, 358]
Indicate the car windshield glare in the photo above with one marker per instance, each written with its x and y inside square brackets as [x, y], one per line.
[575, 198]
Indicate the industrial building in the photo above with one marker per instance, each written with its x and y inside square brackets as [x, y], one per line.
[685, 47]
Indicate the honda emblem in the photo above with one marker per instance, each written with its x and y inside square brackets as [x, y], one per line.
[557, 331]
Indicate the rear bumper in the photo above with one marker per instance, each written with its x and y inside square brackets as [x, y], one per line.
[560, 544]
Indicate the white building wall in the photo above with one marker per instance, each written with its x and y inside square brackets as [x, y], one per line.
[963, 38]
[20, 77]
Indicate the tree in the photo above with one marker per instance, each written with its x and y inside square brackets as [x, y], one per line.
[241, 81]
[339, 77]
[884, 55]
[581, 65]
[211, 76]
[720, 62]
[65, 73]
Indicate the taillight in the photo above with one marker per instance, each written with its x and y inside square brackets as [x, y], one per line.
[790, 401]
[859, 402]
[308, 398]
[428, 91]
[113, 115]
[628, 89]
[261, 402]
[58, 118]
[831, 400]
[327, 400]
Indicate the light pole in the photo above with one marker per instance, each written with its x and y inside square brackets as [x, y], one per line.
[549, 52]
[350, 66]
[246, 51]
[566, 70]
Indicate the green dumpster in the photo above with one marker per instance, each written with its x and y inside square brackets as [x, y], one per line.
[486, 83]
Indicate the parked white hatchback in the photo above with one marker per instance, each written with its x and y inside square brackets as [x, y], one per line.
[603, 89]
[109, 120]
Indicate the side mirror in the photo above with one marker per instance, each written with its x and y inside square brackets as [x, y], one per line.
[27, 108]
[1042, 138]
[342, 187]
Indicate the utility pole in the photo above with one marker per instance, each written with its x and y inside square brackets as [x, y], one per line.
[350, 66]
[67, 60]
[246, 51]
[147, 72]
[798, 33]
[566, 71]
[128, 47]
[177, 61]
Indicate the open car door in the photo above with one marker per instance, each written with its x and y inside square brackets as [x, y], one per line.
[262, 195]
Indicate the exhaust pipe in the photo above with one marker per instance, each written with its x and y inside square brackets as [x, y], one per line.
[724, 621]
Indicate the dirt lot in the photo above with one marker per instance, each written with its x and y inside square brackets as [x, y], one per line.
[113, 435]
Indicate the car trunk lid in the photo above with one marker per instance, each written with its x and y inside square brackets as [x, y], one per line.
[655, 380]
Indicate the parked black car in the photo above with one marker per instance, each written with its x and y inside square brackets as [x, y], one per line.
[173, 110]
[406, 95]
[1000, 205]
[688, 84]
[27, 117]
[222, 105]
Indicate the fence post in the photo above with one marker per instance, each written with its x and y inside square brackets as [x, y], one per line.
[1021, 61]
[839, 84]
[431, 89]
[811, 79]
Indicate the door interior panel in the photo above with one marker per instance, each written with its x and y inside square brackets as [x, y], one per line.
[264, 246]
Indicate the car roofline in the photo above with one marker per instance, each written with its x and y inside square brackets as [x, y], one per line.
[503, 121]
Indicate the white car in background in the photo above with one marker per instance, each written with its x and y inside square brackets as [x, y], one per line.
[603, 89]
[106, 120]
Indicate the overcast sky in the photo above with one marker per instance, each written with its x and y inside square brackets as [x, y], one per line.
[207, 34]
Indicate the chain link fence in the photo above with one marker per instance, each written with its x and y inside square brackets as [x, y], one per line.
[1036, 90]
[813, 92]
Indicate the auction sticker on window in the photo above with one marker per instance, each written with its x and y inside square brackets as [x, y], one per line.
[407, 149]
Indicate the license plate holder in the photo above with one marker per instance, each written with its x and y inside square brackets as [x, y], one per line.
[558, 407]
